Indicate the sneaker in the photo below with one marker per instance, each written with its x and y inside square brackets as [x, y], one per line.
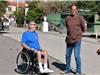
[48, 70]
[42, 71]
[65, 72]
[79, 73]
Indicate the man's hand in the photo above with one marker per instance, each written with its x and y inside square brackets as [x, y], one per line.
[34, 50]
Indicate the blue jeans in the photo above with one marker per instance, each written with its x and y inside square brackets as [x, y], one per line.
[76, 46]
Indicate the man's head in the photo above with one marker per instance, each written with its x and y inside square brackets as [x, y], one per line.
[73, 9]
[32, 25]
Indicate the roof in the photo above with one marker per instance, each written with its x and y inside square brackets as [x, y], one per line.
[14, 3]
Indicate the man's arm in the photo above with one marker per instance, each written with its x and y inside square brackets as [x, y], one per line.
[24, 40]
[27, 47]
[66, 21]
[83, 24]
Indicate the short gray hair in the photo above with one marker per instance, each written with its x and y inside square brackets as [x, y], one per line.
[30, 24]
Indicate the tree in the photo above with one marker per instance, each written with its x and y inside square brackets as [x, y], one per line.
[35, 11]
[20, 17]
[3, 5]
[53, 6]
[93, 6]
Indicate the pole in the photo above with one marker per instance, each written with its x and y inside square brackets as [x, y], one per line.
[26, 10]
[17, 6]
[25, 21]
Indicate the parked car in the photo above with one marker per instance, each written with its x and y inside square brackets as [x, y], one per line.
[1, 25]
[6, 24]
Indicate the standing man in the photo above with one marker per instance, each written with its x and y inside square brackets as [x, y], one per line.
[75, 27]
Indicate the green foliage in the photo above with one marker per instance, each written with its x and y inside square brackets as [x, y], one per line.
[35, 12]
[19, 16]
[3, 5]
[53, 6]
[34, 15]
[37, 9]
[93, 6]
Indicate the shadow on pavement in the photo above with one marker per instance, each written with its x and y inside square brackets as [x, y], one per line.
[62, 67]
[3, 32]
[59, 65]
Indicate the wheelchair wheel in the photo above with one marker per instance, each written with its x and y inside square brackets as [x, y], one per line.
[23, 63]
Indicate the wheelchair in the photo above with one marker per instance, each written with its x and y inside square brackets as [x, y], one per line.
[27, 62]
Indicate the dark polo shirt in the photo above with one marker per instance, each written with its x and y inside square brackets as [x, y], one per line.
[75, 27]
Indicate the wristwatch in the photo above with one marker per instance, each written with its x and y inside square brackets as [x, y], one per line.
[32, 49]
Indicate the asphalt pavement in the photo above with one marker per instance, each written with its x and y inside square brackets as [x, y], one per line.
[10, 48]
[55, 44]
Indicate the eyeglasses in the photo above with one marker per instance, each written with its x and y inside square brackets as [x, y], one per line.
[73, 9]
[32, 24]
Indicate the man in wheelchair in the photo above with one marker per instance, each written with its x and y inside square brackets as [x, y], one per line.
[30, 41]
